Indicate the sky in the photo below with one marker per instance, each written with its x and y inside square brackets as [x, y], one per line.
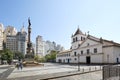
[57, 20]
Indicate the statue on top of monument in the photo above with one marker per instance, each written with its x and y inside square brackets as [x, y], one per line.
[29, 21]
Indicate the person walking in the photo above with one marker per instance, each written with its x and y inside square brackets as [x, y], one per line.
[21, 65]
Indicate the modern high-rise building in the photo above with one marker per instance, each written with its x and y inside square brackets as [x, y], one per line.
[49, 46]
[39, 46]
[1, 36]
[45, 47]
[22, 41]
[11, 43]
[17, 42]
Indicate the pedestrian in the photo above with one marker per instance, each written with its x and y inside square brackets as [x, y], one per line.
[21, 65]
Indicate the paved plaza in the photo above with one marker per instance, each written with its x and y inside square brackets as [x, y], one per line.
[88, 76]
[50, 70]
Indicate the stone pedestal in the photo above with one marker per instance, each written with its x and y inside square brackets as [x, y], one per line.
[30, 62]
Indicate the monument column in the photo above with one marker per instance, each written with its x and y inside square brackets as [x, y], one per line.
[29, 57]
[29, 44]
[29, 32]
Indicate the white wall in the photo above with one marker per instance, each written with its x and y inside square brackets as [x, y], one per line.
[82, 59]
[116, 54]
[64, 59]
[108, 55]
[96, 58]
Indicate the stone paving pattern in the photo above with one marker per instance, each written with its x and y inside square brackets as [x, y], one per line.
[88, 76]
[52, 70]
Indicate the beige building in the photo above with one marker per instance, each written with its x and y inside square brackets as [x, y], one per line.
[39, 46]
[16, 42]
[1, 36]
[9, 30]
[21, 38]
[89, 49]
[10, 38]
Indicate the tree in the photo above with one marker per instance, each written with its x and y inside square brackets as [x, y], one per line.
[48, 57]
[18, 55]
[7, 55]
[39, 58]
[36, 58]
[52, 56]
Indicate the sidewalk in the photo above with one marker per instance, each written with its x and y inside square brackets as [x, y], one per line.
[42, 73]
[63, 76]
[97, 75]
[4, 68]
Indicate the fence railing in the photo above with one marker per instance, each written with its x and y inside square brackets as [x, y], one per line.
[111, 72]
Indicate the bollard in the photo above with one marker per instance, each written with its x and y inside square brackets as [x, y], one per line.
[95, 67]
[83, 69]
[89, 68]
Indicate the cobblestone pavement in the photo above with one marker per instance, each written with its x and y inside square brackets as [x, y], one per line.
[36, 73]
[5, 71]
[88, 76]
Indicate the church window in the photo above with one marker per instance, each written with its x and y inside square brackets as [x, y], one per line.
[76, 38]
[75, 54]
[81, 38]
[73, 39]
[75, 59]
[88, 44]
[88, 51]
[78, 45]
[95, 50]
[81, 52]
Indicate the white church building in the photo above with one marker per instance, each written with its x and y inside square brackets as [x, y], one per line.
[89, 49]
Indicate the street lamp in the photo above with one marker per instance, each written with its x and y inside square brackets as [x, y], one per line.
[78, 62]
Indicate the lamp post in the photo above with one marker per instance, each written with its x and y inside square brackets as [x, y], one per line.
[78, 62]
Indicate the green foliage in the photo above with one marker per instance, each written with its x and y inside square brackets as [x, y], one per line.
[48, 57]
[42, 59]
[52, 56]
[18, 55]
[7, 55]
[36, 58]
[39, 58]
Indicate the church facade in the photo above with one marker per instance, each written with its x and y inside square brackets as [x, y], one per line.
[89, 49]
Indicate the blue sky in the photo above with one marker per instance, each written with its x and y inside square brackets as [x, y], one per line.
[56, 20]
